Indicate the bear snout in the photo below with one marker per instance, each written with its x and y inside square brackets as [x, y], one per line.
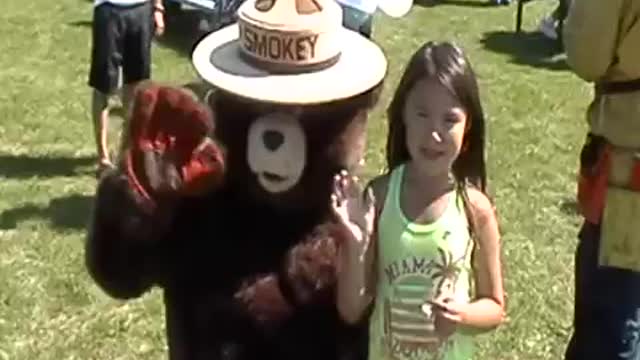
[272, 139]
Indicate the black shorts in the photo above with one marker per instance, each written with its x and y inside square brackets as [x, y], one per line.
[122, 36]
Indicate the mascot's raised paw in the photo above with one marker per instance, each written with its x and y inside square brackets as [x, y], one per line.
[169, 151]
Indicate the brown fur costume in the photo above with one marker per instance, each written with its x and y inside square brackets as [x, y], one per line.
[247, 273]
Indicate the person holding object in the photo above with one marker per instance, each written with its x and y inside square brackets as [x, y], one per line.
[602, 43]
[425, 233]
[122, 34]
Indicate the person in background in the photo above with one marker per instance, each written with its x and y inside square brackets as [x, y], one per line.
[122, 34]
[602, 43]
[551, 26]
[358, 14]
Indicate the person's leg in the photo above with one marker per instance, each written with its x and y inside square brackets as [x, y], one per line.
[563, 10]
[100, 116]
[103, 76]
[607, 308]
[136, 66]
[138, 35]
[547, 27]
[585, 268]
[561, 16]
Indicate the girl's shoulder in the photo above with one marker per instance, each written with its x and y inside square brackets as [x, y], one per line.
[480, 204]
[485, 222]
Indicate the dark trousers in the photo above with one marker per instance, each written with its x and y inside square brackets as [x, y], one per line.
[560, 14]
[607, 306]
[122, 37]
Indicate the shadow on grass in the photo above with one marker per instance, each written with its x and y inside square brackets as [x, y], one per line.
[80, 23]
[26, 166]
[526, 48]
[68, 212]
[461, 3]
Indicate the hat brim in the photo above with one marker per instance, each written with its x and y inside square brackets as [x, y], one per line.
[362, 66]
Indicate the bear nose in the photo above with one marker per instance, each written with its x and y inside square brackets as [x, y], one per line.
[272, 139]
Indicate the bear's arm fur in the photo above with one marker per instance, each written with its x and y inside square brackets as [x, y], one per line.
[309, 273]
[123, 252]
[306, 278]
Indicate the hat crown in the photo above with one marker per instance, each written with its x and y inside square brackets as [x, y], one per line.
[290, 35]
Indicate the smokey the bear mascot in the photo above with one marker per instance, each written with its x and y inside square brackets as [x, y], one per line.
[224, 203]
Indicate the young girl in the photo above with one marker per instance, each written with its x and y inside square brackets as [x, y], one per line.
[432, 273]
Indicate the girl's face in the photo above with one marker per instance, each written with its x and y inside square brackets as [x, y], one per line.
[435, 123]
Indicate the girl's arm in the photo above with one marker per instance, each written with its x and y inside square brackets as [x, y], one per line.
[488, 310]
[356, 266]
[355, 281]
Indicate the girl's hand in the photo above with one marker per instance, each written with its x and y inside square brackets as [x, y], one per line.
[354, 211]
[448, 314]
[158, 19]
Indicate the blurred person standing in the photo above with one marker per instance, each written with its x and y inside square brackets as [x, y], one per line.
[123, 31]
[602, 43]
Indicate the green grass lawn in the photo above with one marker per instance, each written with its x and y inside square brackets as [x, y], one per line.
[49, 307]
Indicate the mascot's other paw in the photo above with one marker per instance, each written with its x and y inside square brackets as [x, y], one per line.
[311, 268]
[169, 149]
[263, 300]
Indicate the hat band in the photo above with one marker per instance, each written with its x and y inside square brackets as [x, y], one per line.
[287, 51]
[284, 69]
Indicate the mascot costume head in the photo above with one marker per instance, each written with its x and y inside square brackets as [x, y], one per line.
[298, 85]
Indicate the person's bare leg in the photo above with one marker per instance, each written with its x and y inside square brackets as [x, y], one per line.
[100, 114]
[126, 96]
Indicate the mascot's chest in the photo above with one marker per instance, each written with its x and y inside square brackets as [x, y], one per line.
[253, 238]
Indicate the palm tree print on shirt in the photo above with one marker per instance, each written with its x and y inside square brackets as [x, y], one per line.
[447, 271]
[409, 333]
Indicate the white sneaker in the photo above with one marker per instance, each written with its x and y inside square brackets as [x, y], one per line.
[548, 28]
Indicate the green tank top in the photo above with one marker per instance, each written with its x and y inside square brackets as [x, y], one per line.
[418, 262]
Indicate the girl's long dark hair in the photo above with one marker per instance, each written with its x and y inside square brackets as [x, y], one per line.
[447, 64]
